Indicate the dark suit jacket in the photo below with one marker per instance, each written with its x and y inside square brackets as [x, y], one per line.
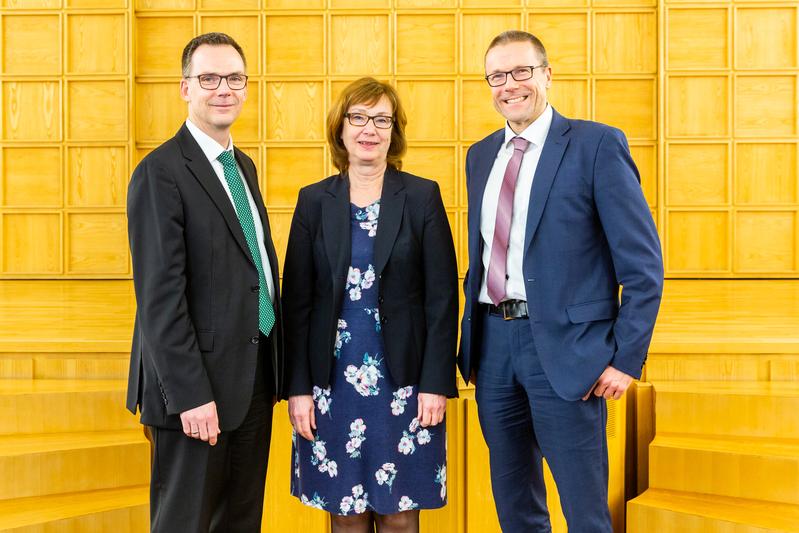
[589, 230]
[414, 261]
[196, 333]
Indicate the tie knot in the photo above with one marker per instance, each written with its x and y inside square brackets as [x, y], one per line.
[226, 158]
[520, 143]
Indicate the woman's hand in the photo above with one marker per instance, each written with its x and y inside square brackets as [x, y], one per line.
[431, 409]
[301, 414]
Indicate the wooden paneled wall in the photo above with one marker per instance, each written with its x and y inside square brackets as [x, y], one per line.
[706, 92]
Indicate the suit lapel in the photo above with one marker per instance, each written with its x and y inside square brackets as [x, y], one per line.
[483, 158]
[336, 227]
[202, 170]
[392, 205]
[551, 156]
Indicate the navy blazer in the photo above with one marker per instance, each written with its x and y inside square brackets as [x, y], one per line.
[414, 261]
[589, 230]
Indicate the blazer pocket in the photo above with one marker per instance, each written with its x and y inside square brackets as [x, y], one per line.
[595, 310]
[205, 340]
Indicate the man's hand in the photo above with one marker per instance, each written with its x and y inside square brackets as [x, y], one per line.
[611, 384]
[201, 423]
[431, 409]
[301, 414]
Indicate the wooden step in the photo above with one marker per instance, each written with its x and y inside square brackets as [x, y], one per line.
[56, 406]
[54, 463]
[665, 511]
[124, 510]
[61, 365]
[739, 408]
[752, 468]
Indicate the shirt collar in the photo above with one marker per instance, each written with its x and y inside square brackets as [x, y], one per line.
[209, 146]
[535, 133]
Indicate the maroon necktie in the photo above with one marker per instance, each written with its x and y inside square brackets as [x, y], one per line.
[498, 265]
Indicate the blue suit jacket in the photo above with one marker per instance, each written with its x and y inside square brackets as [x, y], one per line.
[589, 230]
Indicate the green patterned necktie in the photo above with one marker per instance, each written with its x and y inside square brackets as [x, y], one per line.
[266, 314]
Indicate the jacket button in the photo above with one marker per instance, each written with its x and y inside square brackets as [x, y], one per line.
[254, 340]
[380, 299]
[383, 320]
[255, 288]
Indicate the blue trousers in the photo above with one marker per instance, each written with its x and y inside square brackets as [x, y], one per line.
[523, 421]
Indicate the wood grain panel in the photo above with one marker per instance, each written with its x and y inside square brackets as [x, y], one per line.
[426, 44]
[243, 29]
[31, 4]
[98, 243]
[162, 5]
[97, 176]
[31, 243]
[160, 111]
[697, 38]
[32, 111]
[105, 4]
[477, 30]
[435, 163]
[565, 37]
[765, 173]
[363, 44]
[646, 159]
[159, 44]
[765, 241]
[765, 38]
[571, 97]
[32, 177]
[32, 44]
[98, 110]
[478, 116]
[229, 5]
[697, 174]
[765, 106]
[430, 106]
[698, 106]
[697, 241]
[627, 104]
[625, 43]
[295, 111]
[97, 44]
[285, 53]
[288, 169]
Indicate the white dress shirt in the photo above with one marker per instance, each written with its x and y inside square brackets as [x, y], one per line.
[212, 149]
[536, 133]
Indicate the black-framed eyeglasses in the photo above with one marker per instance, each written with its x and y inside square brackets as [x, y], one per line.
[213, 81]
[383, 122]
[495, 79]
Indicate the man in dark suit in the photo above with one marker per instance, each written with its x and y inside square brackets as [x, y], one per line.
[557, 222]
[207, 355]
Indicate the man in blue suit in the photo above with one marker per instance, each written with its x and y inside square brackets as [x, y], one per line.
[557, 223]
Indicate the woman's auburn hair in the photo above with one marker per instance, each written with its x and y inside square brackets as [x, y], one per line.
[366, 91]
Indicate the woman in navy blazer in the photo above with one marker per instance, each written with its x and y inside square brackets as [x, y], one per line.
[371, 245]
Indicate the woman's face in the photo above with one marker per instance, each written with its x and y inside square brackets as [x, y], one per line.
[368, 144]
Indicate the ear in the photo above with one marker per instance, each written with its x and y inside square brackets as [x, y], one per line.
[184, 89]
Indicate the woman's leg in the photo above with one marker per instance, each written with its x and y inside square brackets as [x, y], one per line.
[403, 522]
[356, 523]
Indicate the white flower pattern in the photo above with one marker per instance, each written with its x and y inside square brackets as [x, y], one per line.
[365, 377]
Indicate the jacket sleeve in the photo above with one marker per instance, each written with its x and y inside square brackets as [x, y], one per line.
[158, 250]
[440, 300]
[634, 247]
[298, 286]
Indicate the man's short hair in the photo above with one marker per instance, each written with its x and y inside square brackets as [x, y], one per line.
[366, 91]
[213, 39]
[518, 36]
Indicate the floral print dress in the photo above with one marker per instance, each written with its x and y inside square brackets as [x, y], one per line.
[369, 451]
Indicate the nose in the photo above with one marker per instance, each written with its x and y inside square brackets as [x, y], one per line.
[510, 82]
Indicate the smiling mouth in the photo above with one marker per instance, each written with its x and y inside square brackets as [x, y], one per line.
[368, 143]
[516, 99]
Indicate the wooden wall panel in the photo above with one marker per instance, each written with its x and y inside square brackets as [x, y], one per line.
[730, 135]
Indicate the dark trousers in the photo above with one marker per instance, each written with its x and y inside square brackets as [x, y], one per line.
[197, 488]
[523, 421]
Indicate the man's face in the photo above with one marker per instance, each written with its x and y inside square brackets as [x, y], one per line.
[213, 110]
[520, 102]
